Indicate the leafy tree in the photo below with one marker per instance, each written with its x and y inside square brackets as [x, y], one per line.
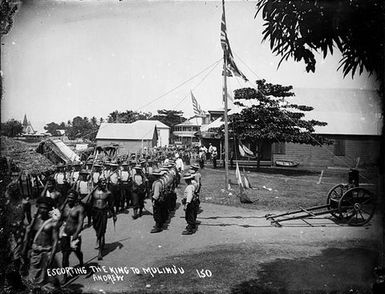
[272, 118]
[169, 117]
[128, 116]
[11, 128]
[113, 117]
[94, 121]
[7, 11]
[298, 29]
[82, 128]
[52, 127]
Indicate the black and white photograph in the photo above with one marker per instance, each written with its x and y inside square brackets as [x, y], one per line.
[190, 146]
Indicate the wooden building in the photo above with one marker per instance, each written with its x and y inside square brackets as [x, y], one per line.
[129, 137]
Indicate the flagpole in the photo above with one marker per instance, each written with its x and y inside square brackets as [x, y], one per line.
[226, 122]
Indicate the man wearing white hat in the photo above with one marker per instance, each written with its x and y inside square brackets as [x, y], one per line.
[138, 191]
[159, 203]
[189, 205]
[179, 167]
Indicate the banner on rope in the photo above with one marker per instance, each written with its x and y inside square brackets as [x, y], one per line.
[238, 175]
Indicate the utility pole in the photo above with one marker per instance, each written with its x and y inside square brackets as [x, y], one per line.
[226, 123]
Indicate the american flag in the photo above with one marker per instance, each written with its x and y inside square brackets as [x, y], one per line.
[196, 107]
[232, 68]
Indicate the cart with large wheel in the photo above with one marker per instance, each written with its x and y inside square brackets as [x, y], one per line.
[347, 203]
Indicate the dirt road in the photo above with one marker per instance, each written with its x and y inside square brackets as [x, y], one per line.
[235, 250]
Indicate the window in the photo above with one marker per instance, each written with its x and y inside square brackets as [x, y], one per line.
[279, 148]
[339, 147]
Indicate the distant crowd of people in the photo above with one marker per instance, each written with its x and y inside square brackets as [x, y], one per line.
[80, 195]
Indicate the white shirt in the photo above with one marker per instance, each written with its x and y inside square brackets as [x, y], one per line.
[84, 187]
[124, 175]
[156, 189]
[95, 177]
[189, 193]
[59, 178]
[179, 164]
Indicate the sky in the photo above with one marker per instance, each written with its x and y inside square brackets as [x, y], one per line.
[88, 58]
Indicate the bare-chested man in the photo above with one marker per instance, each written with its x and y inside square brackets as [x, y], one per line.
[73, 218]
[18, 211]
[44, 234]
[102, 205]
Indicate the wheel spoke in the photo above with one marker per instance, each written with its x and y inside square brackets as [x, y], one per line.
[357, 206]
[367, 201]
[361, 215]
[363, 210]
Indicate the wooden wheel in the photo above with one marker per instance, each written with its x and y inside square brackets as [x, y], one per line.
[357, 206]
[334, 196]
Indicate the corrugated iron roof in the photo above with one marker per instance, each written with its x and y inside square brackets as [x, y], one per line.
[215, 124]
[146, 123]
[116, 131]
[67, 151]
[190, 122]
[347, 111]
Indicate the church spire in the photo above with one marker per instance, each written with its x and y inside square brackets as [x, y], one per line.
[25, 122]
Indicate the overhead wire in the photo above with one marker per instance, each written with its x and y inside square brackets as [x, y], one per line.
[179, 85]
[211, 67]
[200, 82]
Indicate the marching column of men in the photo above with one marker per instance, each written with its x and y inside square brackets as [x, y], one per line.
[96, 191]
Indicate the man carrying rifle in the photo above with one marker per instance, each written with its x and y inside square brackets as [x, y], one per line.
[84, 187]
[114, 185]
[198, 181]
[159, 203]
[126, 184]
[189, 204]
[51, 192]
[61, 179]
[96, 173]
[179, 168]
[138, 191]
[102, 207]
[76, 167]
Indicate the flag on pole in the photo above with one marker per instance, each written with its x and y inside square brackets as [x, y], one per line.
[238, 176]
[246, 180]
[196, 107]
[232, 68]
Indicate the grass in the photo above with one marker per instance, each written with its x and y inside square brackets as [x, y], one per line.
[276, 189]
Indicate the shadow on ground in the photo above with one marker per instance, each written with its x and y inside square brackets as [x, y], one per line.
[334, 271]
[237, 269]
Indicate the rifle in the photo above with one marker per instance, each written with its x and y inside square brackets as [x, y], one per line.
[87, 198]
